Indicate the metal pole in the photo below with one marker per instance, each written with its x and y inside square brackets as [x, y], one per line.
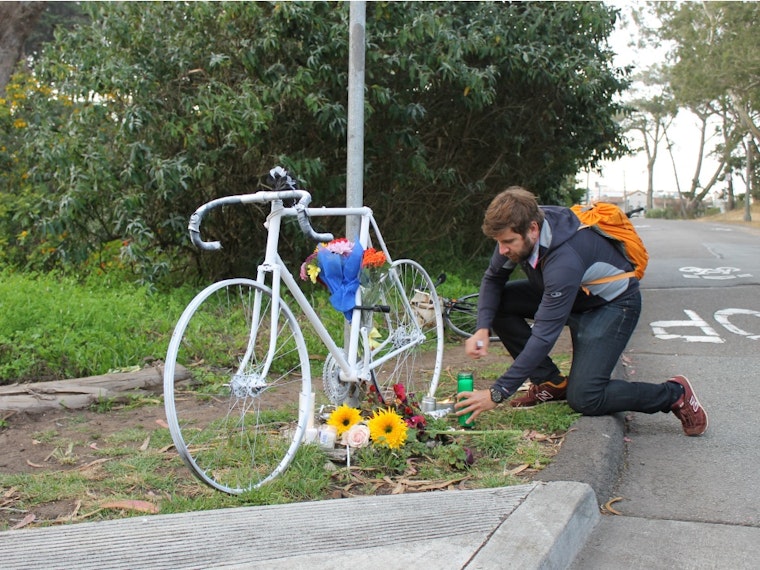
[355, 149]
[355, 143]
[750, 180]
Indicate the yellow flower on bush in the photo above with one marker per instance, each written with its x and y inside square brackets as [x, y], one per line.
[19, 123]
[343, 418]
[387, 428]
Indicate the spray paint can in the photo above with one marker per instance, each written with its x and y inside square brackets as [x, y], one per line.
[465, 384]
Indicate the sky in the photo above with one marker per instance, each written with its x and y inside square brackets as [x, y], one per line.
[630, 174]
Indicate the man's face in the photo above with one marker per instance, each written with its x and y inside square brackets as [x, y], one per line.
[516, 247]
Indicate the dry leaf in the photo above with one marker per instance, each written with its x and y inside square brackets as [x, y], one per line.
[145, 444]
[162, 423]
[442, 485]
[34, 464]
[518, 469]
[28, 519]
[93, 463]
[131, 505]
[608, 506]
[534, 435]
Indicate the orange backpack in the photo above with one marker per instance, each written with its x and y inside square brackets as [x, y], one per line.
[611, 222]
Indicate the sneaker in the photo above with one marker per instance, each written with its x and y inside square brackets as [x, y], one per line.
[688, 409]
[537, 393]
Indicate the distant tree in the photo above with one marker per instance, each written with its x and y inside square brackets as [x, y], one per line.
[715, 70]
[652, 115]
[132, 120]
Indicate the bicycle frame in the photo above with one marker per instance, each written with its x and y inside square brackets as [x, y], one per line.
[350, 369]
[249, 434]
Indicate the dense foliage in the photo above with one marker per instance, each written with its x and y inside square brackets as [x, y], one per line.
[132, 120]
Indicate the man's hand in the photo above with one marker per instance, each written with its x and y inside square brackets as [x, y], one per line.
[477, 345]
[475, 402]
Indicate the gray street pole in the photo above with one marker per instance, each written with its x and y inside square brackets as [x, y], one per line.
[355, 143]
[355, 149]
[750, 172]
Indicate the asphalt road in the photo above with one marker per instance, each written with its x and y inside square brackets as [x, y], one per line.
[692, 502]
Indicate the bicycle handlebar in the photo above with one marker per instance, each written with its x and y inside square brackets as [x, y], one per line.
[281, 180]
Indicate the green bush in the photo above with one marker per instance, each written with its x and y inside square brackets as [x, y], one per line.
[130, 121]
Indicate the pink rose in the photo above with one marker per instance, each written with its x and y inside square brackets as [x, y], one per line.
[356, 436]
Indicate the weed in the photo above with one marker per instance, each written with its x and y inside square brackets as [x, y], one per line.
[67, 457]
[103, 405]
[47, 436]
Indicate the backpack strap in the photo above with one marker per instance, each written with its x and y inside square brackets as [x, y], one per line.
[608, 279]
[601, 280]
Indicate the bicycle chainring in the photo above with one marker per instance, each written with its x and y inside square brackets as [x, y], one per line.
[337, 391]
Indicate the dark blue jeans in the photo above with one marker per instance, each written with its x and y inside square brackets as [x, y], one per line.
[599, 337]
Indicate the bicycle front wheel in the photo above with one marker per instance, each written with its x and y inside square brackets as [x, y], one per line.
[237, 423]
[407, 340]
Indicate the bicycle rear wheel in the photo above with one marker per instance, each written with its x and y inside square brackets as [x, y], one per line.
[461, 316]
[408, 346]
[237, 424]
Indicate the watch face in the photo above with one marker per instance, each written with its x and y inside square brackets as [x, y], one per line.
[496, 395]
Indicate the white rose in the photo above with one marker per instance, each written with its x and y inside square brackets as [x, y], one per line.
[356, 436]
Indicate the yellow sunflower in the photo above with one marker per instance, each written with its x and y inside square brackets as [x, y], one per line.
[343, 418]
[387, 428]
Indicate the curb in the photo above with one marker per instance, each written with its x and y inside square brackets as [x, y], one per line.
[546, 531]
[593, 453]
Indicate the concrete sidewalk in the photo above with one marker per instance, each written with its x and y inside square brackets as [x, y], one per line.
[540, 525]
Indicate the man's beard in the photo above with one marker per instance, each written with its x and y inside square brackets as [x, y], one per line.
[524, 253]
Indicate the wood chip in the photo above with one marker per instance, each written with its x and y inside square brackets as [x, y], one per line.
[131, 505]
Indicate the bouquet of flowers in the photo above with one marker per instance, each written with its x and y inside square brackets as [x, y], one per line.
[389, 423]
[342, 266]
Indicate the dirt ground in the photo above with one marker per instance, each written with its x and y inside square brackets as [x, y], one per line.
[30, 441]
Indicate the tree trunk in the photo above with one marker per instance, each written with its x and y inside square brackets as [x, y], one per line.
[17, 19]
[83, 392]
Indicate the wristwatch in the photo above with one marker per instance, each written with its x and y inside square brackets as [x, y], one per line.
[497, 396]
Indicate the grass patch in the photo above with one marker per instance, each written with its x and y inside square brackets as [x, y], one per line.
[60, 328]
[55, 328]
[138, 464]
